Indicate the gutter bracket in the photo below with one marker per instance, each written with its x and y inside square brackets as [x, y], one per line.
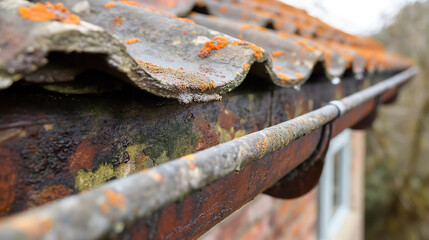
[340, 106]
[306, 176]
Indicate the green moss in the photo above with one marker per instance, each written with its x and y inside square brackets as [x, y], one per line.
[240, 133]
[85, 180]
[227, 135]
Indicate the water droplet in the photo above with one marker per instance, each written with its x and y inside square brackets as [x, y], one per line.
[336, 80]
[297, 87]
[359, 76]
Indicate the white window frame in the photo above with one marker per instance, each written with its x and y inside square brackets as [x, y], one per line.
[330, 223]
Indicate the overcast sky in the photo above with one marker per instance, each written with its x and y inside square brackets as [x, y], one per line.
[361, 17]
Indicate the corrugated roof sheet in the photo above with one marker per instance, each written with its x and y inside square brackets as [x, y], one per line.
[191, 59]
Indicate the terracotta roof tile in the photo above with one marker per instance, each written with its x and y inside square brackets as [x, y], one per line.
[159, 52]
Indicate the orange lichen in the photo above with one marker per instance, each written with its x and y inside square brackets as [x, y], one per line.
[194, 32]
[181, 79]
[251, 26]
[25, 224]
[48, 12]
[200, 3]
[187, 20]
[298, 75]
[245, 16]
[129, 3]
[240, 36]
[170, 3]
[284, 77]
[278, 25]
[116, 199]
[328, 57]
[257, 51]
[283, 34]
[109, 5]
[185, 32]
[189, 156]
[104, 208]
[223, 9]
[278, 68]
[215, 44]
[155, 176]
[132, 40]
[306, 46]
[118, 21]
[246, 66]
[277, 53]
[191, 165]
[264, 145]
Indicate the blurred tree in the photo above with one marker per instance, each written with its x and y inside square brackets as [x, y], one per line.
[397, 176]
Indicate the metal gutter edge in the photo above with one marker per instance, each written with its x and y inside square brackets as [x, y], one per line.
[107, 210]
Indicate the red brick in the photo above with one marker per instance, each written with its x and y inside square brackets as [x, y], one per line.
[257, 231]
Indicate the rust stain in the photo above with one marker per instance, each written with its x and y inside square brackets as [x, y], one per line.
[48, 194]
[227, 119]
[83, 157]
[215, 44]
[48, 12]
[116, 199]
[132, 40]
[7, 184]
[207, 135]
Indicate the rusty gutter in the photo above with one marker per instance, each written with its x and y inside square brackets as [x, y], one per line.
[108, 210]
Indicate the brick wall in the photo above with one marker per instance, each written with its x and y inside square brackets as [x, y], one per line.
[266, 217]
[274, 219]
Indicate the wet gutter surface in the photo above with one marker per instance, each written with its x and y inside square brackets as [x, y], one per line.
[143, 203]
